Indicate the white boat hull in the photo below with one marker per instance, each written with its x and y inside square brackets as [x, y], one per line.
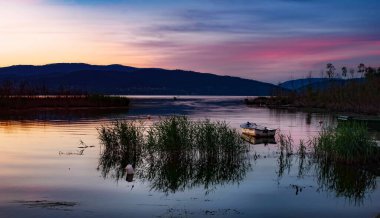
[259, 133]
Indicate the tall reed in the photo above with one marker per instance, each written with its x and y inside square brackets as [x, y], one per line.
[348, 143]
[176, 153]
[344, 160]
[123, 144]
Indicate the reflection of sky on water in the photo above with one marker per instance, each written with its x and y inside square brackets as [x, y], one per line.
[31, 168]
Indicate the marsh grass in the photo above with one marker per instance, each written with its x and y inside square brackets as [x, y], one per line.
[348, 143]
[286, 144]
[180, 133]
[175, 153]
[192, 153]
[289, 151]
[285, 148]
[344, 160]
[123, 143]
[348, 181]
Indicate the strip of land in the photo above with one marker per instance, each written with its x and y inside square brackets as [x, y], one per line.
[17, 102]
[360, 97]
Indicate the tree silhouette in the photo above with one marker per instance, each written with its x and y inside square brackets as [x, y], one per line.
[330, 70]
[361, 69]
[344, 71]
[352, 72]
[370, 72]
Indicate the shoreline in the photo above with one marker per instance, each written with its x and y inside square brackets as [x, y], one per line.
[264, 102]
[61, 102]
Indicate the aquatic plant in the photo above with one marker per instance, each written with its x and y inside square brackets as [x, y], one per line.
[346, 158]
[185, 153]
[348, 143]
[178, 132]
[286, 144]
[326, 157]
[287, 154]
[123, 144]
[304, 162]
[285, 148]
[176, 153]
[171, 133]
[351, 182]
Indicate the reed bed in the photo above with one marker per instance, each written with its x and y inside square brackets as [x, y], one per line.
[289, 151]
[344, 160]
[178, 132]
[175, 153]
[123, 144]
[348, 181]
[348, 143]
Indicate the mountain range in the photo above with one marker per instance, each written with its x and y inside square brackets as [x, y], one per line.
[119, 79]
[315, 83]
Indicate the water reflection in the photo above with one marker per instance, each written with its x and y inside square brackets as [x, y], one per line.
[31, 169]
[113, 162]
[170, 171]
[51, 115]
[351, 182]
[354, 183]
[308, 118]
[255, 141]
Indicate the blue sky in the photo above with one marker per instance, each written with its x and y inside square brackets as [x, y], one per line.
[264, 40]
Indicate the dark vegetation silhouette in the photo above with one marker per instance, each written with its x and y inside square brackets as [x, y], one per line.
[343, 163]
[175, 154]
[23, 95]
[83, 85]
[338, 92]
[118, 79]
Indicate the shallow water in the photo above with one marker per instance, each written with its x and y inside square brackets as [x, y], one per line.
[44, 173]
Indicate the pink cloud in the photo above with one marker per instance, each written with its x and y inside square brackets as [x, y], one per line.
[270, 59]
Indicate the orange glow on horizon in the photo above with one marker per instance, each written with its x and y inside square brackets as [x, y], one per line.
[38, 35]
[175, 36]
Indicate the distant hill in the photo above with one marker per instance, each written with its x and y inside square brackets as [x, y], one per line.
[314, 83]
[118, 79]
[299, 83]
[31, 70]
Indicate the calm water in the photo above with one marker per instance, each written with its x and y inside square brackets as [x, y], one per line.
[45, 173]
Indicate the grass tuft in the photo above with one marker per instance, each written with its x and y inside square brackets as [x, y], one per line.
[348, 143]
[175, 153]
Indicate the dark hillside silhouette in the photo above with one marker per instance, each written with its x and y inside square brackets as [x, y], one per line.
[117, 79]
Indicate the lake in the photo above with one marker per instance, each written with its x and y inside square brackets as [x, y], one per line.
[50, 167]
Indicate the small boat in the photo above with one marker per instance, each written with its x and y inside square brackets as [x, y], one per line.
[252, 129]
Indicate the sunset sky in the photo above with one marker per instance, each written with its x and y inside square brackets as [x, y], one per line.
[271, 40]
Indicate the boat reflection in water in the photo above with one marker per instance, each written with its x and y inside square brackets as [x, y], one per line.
[181, 167]
[170, 171]
[261, 140]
